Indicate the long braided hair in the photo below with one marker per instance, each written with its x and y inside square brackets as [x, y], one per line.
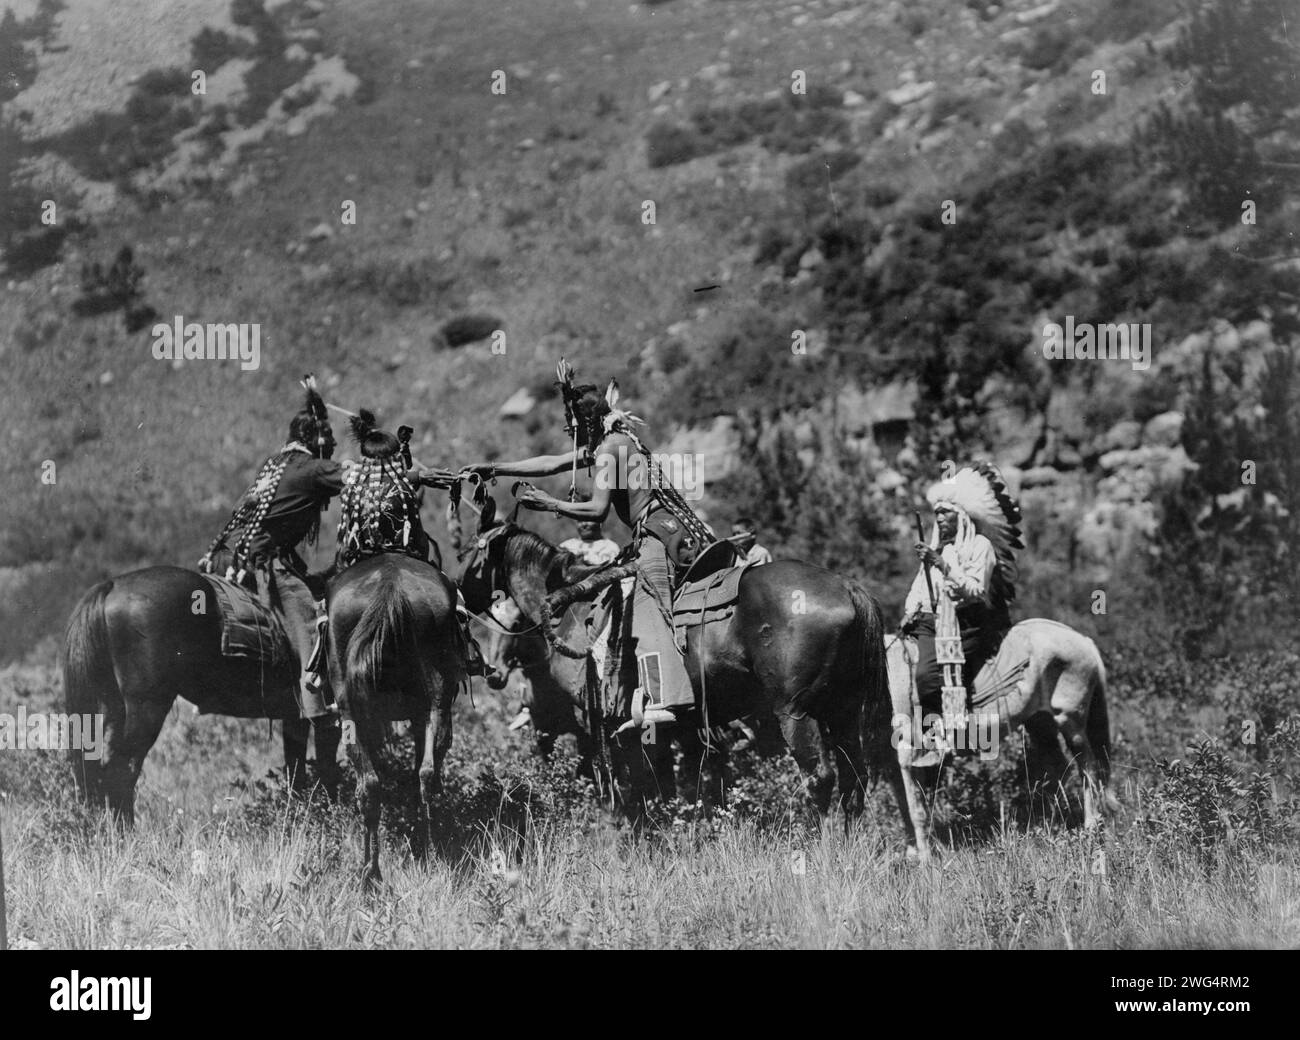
[309, 427]
[380, 507]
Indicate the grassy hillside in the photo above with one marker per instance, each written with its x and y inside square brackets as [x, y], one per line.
[822, 211]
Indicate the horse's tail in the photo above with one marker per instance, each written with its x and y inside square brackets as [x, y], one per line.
[89, 682]
[1098, 729]
[386, 631]
[877, 708]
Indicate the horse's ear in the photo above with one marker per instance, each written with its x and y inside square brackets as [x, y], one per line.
[487, 519]
[566, 569]
[558, 574]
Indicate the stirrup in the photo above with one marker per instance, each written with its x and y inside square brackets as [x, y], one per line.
[652, 716]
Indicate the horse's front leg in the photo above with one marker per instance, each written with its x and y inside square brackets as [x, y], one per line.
[1080, 750]
[914, 806]
[703, 771]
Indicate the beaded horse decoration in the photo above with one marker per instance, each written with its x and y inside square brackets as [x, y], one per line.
[380, 506]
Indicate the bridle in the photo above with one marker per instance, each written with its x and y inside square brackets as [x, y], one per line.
[469, 561]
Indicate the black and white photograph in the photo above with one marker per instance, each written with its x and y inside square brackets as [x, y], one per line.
[674, 475]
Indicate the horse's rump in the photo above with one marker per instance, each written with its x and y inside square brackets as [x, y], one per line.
[393, 631]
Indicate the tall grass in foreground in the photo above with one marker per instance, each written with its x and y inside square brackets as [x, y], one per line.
[203, 883]
[1205, 852]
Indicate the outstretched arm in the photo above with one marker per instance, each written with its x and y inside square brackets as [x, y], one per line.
[595, 508]
[537, 466]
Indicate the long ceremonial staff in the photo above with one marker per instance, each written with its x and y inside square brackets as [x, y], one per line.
[925, 568]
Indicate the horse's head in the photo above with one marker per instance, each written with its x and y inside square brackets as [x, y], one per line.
[483, 580]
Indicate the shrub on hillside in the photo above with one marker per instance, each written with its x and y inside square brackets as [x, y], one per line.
[1241, 64]
[404, 283]
[212, 48]
[469, 328]
[794, 124]
[668, 144]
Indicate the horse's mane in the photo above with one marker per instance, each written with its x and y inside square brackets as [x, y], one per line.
[525, 549]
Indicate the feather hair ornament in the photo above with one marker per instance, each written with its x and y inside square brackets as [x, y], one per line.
[315, 403]
[616, 417]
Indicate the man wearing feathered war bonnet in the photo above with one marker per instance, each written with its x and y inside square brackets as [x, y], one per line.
[666, 533]
[971, 574]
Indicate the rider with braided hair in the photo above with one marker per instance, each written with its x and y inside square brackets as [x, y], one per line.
[666, 534]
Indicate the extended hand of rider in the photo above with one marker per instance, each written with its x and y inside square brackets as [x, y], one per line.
[531, 498]
[437, 477]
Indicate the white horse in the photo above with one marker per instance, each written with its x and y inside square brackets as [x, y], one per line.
[1046, 677]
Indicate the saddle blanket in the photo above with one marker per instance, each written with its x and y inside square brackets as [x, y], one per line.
[249, 628]
[707, 600]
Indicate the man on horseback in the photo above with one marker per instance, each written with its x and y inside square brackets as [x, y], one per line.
[666, 534]
[965, 584]
[279, 511]
[380, 513]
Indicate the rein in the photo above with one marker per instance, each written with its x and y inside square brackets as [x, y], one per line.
[561, 599]
[493, 626]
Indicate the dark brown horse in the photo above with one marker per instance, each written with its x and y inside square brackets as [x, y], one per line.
[395, 654]
[803, 652]
[137, 642]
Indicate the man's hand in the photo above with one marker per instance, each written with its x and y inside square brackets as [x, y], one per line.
[434, 476]
[531, 498]
[929, 556]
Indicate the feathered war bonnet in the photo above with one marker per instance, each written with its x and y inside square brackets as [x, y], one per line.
[981, 495]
